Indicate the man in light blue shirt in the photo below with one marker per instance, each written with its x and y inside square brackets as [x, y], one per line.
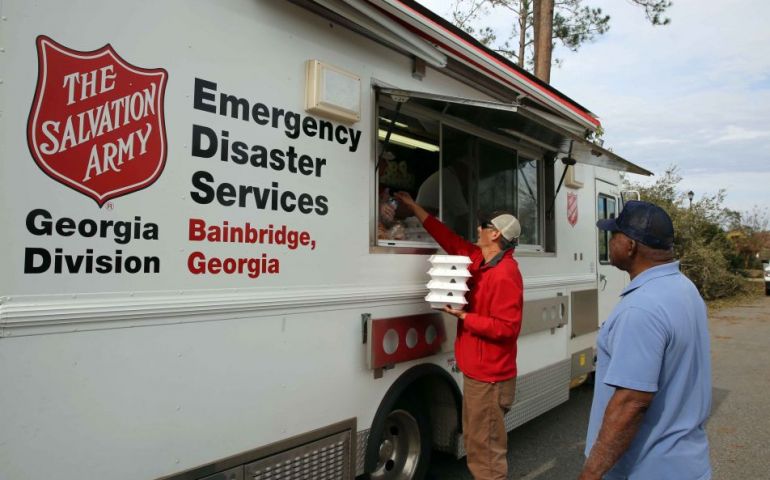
[653, 375]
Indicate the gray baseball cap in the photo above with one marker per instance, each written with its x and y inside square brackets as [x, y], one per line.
[508, 225]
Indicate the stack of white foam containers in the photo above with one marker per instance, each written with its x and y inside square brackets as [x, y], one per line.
[448, 281]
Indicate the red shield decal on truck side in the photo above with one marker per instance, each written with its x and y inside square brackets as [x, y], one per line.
[97, 123]
[572, 209]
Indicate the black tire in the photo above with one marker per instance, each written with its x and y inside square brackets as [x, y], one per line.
[405, 444]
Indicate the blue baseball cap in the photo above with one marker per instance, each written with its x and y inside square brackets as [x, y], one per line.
[644, 222]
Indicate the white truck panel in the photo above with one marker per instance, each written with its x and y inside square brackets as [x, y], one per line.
[129, 376]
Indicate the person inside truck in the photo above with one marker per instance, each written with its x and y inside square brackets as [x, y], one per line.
[386, 203]
[458, 163]
[397, 172]
[652, 393]
[487, 332]
[455, 206]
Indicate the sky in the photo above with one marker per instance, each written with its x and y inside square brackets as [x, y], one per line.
[694, 94]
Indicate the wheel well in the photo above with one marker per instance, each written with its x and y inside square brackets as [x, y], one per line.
[436, 390]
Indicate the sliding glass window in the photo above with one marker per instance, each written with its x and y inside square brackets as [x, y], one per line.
[455, 172]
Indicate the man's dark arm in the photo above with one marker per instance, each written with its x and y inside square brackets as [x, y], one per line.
[621, 421]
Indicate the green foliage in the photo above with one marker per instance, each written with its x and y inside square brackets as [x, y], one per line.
[751, 239]
[574, 23]
[710, 272]
[654, 10]
[700, 242]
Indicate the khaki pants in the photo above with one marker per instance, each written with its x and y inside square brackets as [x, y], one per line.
[486, 441]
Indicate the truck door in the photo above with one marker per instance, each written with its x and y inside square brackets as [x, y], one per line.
[611, 281]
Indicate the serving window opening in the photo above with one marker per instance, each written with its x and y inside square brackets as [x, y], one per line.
[409, 162]
[455, 169]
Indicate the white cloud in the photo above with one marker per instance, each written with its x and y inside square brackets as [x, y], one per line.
[744, 189]
[736, 134]
[695, 93]
[654, 141]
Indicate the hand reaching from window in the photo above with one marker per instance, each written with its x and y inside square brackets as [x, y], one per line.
[387, 213]
[405, 199]
[387, 208]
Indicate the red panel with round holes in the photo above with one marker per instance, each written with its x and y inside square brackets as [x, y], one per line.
[399, 339]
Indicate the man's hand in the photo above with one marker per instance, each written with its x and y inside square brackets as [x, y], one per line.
[457, 312]
[387, 213]
[405, 199]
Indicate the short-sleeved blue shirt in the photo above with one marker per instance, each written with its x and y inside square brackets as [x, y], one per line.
[657, 340]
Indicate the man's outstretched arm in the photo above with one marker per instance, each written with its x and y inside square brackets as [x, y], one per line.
[621, 421]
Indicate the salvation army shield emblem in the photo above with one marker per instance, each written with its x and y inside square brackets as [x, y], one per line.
[96, 124]
[572, 209]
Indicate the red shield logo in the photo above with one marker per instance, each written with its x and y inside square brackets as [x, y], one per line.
[97, 123]
[572, 209]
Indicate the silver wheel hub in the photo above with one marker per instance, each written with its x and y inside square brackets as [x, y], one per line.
[399, 451]
[386, 450]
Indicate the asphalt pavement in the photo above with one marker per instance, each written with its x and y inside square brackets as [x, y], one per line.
[739, 427]
[550, 447]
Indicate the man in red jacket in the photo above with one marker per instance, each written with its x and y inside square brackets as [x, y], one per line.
[487, 331]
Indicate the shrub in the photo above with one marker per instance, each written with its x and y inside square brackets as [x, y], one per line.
[707, 256]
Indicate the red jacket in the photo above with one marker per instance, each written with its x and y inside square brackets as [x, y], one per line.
[485, 347]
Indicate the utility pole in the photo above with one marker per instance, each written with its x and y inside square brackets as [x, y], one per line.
[543, 24]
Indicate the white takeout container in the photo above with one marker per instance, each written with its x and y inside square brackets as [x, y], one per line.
[440, 301]
[448, 293]
[450, 259]
[441, 284]
[449, 273]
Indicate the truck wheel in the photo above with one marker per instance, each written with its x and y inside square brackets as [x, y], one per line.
[405, 445]
[767, 289]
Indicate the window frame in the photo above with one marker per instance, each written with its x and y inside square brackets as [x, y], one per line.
[605, 236]
[523, 149]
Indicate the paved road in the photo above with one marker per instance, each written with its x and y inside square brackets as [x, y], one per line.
[551, 447]
[739, 428]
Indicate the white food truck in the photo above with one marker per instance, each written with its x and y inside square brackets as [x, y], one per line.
[197, 278]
